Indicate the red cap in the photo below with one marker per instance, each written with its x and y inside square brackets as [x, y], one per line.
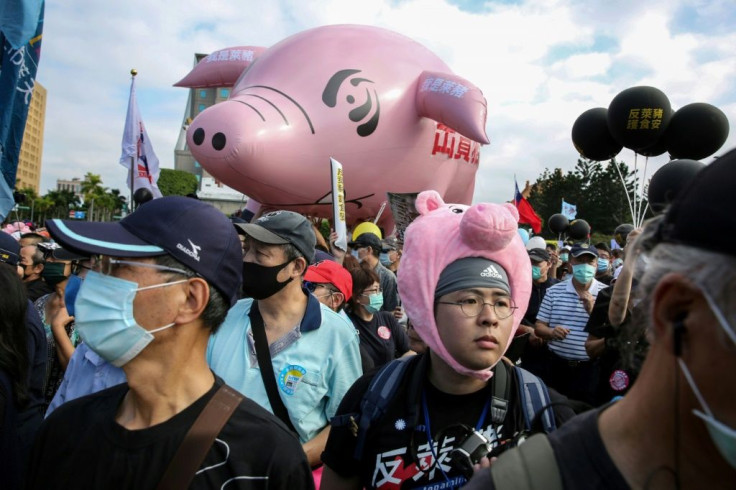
[331, 272]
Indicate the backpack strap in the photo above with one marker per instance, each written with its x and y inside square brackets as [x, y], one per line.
[535, 400]
[531, 466]
[381, 391]
[501, 393]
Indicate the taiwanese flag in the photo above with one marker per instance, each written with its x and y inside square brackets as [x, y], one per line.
[526, 211]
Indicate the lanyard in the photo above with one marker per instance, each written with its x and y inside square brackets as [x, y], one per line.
[428, 430]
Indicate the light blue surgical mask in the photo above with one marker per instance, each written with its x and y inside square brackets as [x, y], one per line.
[375, 303]
[354, 253]
[618, 263]
[536, 272]
[70, 292]
[385, 260]
[583, 273]
[104, 317]
[602, 265]
[564, 257]
[722, 436]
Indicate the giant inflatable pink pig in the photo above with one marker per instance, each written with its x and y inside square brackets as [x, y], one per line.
[381, 104]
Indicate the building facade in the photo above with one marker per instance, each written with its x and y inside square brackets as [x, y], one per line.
[31, 149]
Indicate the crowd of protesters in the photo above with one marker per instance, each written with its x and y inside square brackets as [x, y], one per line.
[180, 348]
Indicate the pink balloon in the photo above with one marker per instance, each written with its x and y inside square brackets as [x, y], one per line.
[221, 68]
[381, 104]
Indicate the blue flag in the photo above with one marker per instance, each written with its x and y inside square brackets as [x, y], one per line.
[569, 210]
[17, 76]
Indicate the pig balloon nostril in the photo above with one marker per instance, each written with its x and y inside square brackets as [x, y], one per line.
[218, 141]
[198, 136]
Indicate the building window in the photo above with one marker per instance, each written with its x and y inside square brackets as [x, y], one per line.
[201, 107]
[202, 94]
[196, 164]
[224, 93]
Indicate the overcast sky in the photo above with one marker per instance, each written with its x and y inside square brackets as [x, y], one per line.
[539, 63]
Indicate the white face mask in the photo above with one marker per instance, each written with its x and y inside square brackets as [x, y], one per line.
[105, 321]
[722, 436]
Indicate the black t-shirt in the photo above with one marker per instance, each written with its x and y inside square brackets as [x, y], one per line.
[383, 339]
[81, 446]
[615, 376]
[582, 458]
[37, 288]
[397, 453]
[535, 300]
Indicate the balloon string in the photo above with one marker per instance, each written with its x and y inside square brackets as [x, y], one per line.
[641, 219]
[635, 217]
[640, 216]
[626, 191]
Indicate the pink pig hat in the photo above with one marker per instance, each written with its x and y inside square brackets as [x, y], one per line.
[444, 233]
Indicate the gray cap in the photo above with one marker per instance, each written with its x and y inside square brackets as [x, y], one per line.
[282, 227]
[470, 272]
[539, 255]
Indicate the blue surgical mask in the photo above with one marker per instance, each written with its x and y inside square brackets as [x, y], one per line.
[375, 303]
[564, 257]
[385, 261]
[105, 320]
[70, 292]
[722, 436]
[354, 253]
[602, 265]
[536, 272]
[618, 263]
[583, 273]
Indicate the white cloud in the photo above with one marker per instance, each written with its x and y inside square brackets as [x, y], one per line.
[537, 63]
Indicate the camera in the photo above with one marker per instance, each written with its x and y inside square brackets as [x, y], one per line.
[469, 452]
[476, 446]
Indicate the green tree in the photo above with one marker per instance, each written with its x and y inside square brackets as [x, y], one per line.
[61, 203]
[176, 182]
[594, 187]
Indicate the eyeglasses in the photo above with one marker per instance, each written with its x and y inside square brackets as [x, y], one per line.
[369, 292]
[108, 266]
[472, 306]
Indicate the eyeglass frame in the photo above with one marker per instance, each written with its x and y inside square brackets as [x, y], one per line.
[106, 265]
[482, 304]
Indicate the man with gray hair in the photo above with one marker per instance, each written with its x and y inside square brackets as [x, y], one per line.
[676, 427]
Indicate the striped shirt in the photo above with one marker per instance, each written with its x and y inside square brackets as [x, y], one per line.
[562, 306]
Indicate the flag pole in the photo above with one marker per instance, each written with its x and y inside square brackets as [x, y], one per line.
[133, 72]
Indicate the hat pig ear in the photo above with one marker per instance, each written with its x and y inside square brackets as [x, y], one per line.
[428, 201]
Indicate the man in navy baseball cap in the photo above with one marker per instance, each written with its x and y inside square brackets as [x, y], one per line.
[169, 273]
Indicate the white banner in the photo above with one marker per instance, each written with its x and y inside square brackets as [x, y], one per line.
[338, 205]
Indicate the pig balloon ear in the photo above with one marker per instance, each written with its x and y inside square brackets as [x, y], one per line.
[454, 102]
[428, 201]
[221, 68]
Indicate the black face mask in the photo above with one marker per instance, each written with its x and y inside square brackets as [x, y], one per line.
[259, 282]
[53, 273]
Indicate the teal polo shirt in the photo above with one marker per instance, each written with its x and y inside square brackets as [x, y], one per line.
[314, 364]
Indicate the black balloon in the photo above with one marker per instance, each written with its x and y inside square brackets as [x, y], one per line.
[667, 182]
[621, 232]
[696, 131]
[591, 137]
[142, 196]
[638, 117]
[656, 149]
[579, 230]
[558, 223]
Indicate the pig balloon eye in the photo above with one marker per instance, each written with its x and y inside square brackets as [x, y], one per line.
[457, 210]
[198, 136]
[363, 111]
